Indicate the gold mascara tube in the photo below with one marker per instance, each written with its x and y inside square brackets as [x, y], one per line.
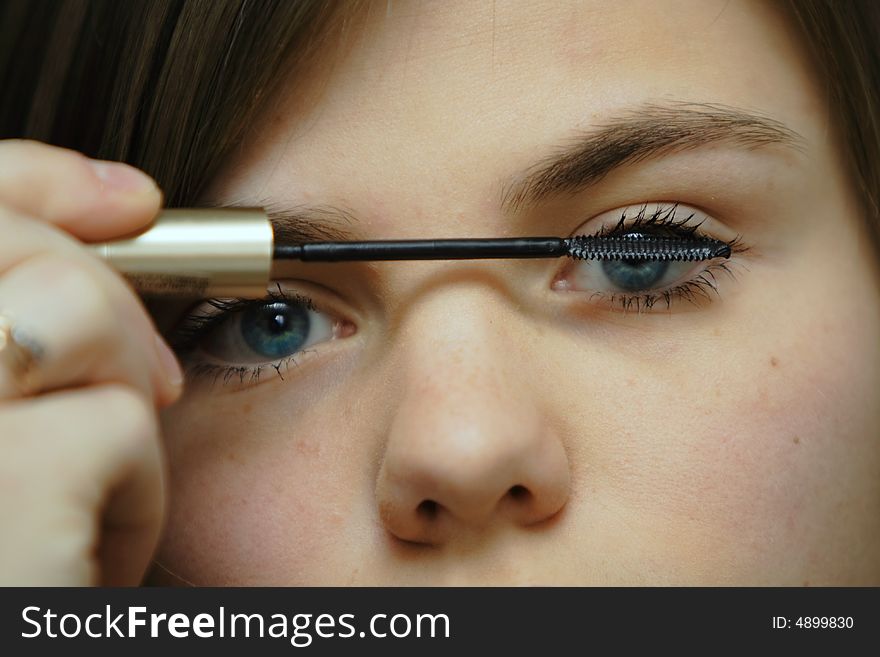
[197, 252]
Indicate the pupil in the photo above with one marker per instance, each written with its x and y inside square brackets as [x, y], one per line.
[277, 323]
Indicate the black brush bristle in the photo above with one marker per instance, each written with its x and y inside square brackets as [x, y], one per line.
[637, 246]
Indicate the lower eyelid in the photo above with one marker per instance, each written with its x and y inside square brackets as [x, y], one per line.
[243, 377]
[691, 287]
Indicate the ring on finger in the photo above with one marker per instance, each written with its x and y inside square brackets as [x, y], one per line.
[20, 354]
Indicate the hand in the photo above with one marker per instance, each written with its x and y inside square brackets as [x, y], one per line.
[82, 472]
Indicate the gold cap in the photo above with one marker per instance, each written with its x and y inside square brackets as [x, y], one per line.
[197, 252]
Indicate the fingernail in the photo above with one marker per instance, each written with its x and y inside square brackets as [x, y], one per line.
[169, 362]
[121, 177]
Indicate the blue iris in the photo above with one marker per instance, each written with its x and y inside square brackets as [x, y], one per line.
[276, 329]
[635, 275]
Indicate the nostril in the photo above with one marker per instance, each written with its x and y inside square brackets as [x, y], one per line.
[427, 509]
[519, 493]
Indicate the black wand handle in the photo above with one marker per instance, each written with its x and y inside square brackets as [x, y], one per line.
[452, 249]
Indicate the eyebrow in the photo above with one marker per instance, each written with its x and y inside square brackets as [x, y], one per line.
[649, 131]
[299, 224]
[305, 224]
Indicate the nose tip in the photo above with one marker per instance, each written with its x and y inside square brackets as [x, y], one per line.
[429, 496]
[469, 443]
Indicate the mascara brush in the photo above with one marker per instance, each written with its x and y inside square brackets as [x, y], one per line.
[229, 252]
[631, 246]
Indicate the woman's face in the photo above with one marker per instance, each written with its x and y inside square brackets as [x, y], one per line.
[532, 421]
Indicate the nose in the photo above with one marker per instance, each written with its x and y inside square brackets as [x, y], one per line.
[469, 443]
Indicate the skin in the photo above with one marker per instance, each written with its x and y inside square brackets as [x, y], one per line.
[79, 436]
[732, 442]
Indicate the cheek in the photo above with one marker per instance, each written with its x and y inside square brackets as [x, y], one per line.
[743, 446]
[778, 455]
[255, 501]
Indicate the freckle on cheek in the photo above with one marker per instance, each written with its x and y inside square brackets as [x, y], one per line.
[774, 362]
[307, 447]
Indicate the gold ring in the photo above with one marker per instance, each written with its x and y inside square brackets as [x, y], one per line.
[20, 354]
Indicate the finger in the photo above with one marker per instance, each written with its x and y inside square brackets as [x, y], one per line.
[66, 457]
[91, 199]
[89, 327]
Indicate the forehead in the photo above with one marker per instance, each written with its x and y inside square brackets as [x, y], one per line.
[446, 92]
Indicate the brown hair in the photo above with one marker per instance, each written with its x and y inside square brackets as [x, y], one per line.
[844, 40]
[170, 86]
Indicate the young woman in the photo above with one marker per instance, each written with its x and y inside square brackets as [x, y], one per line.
[447, 422]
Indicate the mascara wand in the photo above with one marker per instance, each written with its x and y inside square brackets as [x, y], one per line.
[214, 252]
[631, 246]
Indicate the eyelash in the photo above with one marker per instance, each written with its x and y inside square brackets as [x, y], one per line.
[186, 337]
[663, 221]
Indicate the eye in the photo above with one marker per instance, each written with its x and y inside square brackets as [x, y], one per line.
[640, 284]
[267, 331]
[240, 337]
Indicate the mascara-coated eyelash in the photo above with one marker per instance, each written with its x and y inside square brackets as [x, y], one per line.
[638, 291]
[662, 218]
[190, 334]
